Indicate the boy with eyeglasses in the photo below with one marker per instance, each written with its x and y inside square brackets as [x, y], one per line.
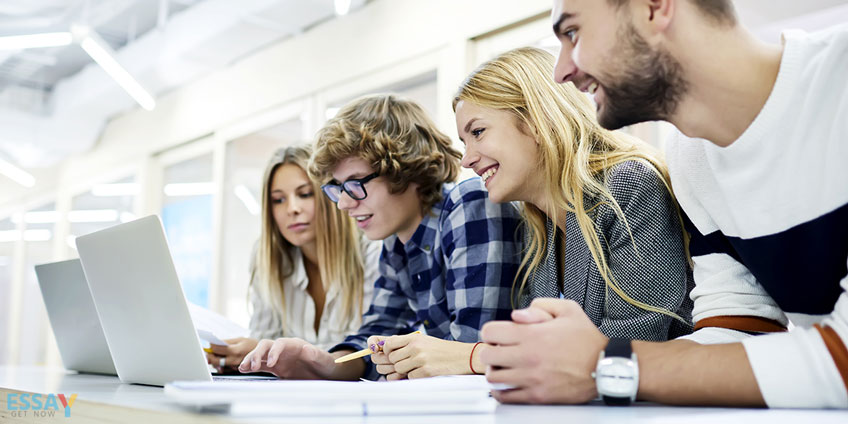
[449, 254]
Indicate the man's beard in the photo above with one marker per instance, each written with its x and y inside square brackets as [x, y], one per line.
[649, 88]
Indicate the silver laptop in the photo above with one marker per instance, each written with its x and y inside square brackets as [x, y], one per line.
[141, 304]
[73, 317]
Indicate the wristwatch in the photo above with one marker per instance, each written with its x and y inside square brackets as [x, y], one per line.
[617, 373]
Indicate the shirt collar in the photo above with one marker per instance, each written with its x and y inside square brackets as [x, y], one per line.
[424, 238]
[298, 277]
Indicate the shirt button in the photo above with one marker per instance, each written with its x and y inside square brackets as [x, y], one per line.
[426, 323]
[427, 248]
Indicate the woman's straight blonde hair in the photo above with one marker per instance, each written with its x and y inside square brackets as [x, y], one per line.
[575, 152]
[340, 260]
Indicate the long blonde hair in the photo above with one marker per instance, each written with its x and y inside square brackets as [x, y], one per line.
[575, 152]
[340, 258]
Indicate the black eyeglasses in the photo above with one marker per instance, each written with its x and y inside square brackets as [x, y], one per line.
[354, 187]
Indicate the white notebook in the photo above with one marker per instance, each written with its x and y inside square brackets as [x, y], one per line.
[437, 395]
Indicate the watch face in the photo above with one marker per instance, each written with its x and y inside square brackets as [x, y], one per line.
[617, 377]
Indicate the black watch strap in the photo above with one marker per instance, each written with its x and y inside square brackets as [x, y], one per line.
[617, 348]
[616, 401]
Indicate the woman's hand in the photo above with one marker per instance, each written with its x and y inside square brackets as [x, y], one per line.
[232, 354]
[290, 358]
[418, 355]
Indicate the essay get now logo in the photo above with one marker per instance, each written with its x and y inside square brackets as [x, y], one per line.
[21, 404]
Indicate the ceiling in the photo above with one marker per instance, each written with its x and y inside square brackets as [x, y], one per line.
[55, 101]
[38, 70]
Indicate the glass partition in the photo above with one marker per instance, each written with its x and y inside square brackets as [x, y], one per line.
[38, 242]
[101, 207]
[8, 237]
[187, 218]
[246, 159]
[421, 88]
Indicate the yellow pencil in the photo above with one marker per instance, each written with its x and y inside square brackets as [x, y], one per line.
[364, 352]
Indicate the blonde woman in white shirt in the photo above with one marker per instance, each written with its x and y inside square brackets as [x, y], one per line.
[312, 274]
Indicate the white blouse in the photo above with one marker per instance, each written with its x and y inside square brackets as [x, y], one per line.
[300, 307]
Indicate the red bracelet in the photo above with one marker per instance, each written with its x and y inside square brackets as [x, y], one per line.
[471, 358]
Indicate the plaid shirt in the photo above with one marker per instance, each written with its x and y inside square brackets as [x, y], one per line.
[454, 274]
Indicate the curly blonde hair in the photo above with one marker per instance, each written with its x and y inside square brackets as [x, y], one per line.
[396, 137]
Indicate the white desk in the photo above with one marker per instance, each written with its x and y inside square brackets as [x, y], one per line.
[105, 399]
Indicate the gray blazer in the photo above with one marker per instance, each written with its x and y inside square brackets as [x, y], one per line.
[659, 274]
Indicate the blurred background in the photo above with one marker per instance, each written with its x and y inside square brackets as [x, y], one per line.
[172, 107]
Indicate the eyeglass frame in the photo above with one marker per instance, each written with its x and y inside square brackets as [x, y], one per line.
[342, 189]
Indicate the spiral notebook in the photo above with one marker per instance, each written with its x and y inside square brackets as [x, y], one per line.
[428, 396]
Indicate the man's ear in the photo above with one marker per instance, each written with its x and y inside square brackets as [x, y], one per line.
[653, 16]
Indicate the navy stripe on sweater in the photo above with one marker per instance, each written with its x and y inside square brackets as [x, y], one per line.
[800, 268]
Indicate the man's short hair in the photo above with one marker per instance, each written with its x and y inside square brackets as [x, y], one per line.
[396, 137]
[719, 11]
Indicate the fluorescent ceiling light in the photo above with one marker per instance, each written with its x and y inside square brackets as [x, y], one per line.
[246, 197]
[93, 215]
[189, 189]
[122, 189]
[16, 174]
[342, 7]
[37, 217]
[31, 41]
[9, 235]
[37, 235]
[95, 47]
[29, 235]
[78, 216]
[105, 57]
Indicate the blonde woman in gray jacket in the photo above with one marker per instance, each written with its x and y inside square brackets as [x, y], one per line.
[601, 224]
[312, 273]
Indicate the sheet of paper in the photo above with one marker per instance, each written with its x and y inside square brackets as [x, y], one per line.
[213, 327]
[210, 337]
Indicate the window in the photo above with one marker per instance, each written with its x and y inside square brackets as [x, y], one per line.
[421, 89]
[246, 160]
[187, 218]
[105, 205]
[8, 237]
[38, 241]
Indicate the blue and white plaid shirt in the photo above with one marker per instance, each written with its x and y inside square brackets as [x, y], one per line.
[454, 274]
